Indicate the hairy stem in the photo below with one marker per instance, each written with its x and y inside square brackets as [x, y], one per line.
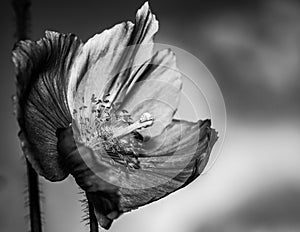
[34, 199]
[93, 220]
[22, 16]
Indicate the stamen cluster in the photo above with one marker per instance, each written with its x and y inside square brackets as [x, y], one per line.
[98, 123]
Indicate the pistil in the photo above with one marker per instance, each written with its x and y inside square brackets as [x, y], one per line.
[146, 120]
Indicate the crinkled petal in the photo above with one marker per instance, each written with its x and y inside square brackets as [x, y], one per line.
[42, 70]
[171, 161]
[107, 61]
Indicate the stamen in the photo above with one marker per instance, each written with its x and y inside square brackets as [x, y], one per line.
[113, 130]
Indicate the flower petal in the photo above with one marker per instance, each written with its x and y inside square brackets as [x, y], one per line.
[42, 70]
[175, 158]
[106, 61]
[171, 161]
[156, 91]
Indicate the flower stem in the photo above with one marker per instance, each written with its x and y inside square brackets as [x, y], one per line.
[34, 199]
[93, 220]
[22, 15]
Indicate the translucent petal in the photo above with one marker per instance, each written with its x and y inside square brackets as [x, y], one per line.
[106, 61]
[156, 91]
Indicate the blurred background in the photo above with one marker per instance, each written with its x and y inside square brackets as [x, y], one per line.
[252, 48]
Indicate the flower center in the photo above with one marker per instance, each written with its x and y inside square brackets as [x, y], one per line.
[110, 132]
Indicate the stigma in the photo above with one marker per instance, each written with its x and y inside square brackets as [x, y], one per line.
[145, 120]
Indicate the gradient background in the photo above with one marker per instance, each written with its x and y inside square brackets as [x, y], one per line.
[253, 50]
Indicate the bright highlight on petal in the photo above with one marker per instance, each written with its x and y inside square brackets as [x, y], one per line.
[107, 62]
[156, 91]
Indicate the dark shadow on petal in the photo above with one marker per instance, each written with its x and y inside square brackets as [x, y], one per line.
[103, 195]
[42, 70]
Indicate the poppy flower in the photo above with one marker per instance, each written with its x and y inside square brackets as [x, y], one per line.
[103, 112]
